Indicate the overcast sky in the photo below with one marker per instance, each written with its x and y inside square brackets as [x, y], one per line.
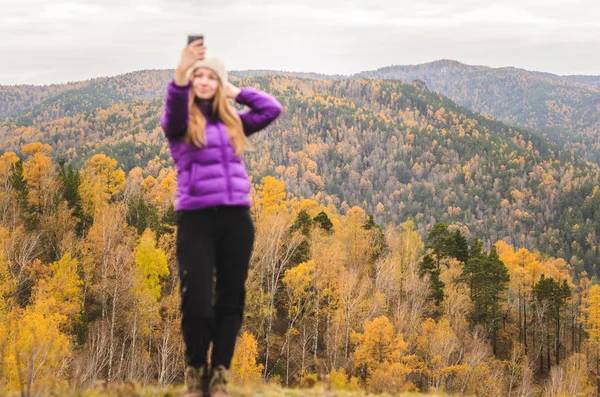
[44, 42]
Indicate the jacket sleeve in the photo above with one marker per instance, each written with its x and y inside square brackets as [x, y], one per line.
[175, 118]
[264, 109]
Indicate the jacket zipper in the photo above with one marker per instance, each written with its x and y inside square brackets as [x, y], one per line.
[225, 163]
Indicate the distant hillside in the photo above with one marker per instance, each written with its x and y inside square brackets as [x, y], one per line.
[16, 98]
[302, 75]
[587, 80]
[93, 94]
[564, 109]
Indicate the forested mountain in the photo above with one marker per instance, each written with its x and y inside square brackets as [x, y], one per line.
[564, 109]
[398, 150]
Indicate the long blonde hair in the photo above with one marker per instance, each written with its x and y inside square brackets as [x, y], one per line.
[196, 133]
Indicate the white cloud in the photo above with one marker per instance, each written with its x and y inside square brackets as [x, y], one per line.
[44, 42]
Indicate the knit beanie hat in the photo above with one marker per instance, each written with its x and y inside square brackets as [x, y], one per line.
[214, 64]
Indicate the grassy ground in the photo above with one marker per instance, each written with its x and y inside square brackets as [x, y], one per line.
[234, 391]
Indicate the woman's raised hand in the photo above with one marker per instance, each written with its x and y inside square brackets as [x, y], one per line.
[191, 53]
[231, 91]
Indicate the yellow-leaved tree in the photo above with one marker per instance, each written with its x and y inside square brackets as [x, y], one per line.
[338, 380]
[37, 360]
[274, 250]
[62, 292]
[591, 310]
[7, 286]
[150, 266]
[40, 173]
[167, 186]
[379, 356]
[151, 262]
[38, 354]
[7, 161]
[442, 351]
[244, 368]
[298, 282]
[524, 270]
[271, 193]
[397, 276]
[101, 180]
[358, 242]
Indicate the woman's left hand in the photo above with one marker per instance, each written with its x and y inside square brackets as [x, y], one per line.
[231, 91]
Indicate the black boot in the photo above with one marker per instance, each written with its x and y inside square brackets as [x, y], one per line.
[218, 382]
[196, 381]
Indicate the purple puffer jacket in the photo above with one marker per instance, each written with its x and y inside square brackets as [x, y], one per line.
[212, 175]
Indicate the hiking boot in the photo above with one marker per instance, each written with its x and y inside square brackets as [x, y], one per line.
[217, 386]
[196, 381]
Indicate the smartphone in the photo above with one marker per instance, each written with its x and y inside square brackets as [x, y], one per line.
[192, 38]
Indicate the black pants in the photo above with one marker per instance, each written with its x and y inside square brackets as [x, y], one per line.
[217, 238]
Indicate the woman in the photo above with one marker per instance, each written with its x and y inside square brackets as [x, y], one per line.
[207, 138]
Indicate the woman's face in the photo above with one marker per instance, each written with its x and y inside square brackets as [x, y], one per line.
[205, 83]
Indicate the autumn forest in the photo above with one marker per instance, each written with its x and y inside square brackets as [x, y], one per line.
[409, 237]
